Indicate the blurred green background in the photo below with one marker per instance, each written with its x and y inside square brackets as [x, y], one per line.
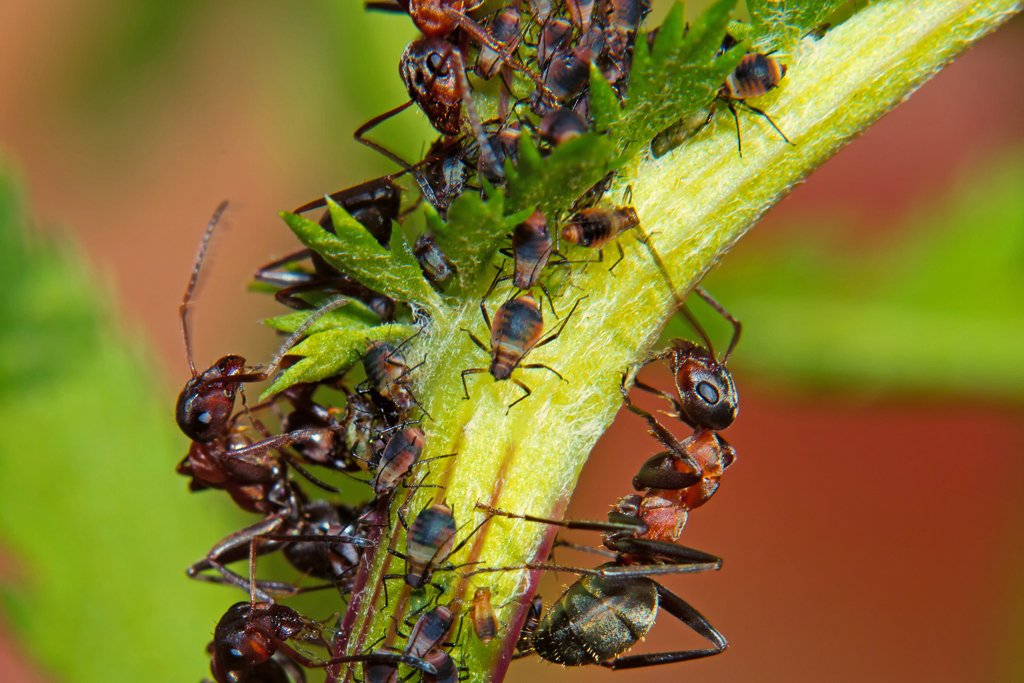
[872, 526]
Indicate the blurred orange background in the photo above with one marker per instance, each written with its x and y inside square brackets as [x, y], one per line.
[864, 539]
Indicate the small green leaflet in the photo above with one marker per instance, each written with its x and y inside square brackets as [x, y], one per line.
[333, 351]
[778, 25]
[472, 233]
[356, 253]
[552, 184]
[679, 77]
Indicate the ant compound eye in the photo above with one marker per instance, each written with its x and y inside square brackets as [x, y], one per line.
[708, 392]
[435, 62]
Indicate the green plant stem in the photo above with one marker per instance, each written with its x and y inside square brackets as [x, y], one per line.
[694, 203]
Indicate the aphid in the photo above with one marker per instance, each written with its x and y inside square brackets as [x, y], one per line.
[566, 75]
[755, 75]
[381, 666]
[554, 39]
[429, 542]
[400, 454]
[388, 373]
[561, 125]
[485, 625]
[531, 249]
[435, 265]
[504, 30]
[616, 59]
[515, 331]
[610, 608]
[706, 390]
[425, 638]
[345, 438]
[580, 11]
[596, 226]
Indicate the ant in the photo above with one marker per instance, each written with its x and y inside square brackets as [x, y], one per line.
[755, 75]
[515, 331]
[610, 608]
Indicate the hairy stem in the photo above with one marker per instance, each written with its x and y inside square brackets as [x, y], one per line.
[694, 204]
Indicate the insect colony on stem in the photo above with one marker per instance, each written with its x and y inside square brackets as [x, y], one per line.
[540, 54]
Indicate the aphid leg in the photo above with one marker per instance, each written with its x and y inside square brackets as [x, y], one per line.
[761, 112]
[522, 386]
[684, 612]
[736, 118]
[622, 255]
[471, 371]
[548, 295]
[737, 326]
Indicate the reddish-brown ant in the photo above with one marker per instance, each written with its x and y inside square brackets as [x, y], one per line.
[612, 607]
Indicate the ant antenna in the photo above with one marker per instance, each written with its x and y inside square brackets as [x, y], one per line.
[191, 288]
[301, 332]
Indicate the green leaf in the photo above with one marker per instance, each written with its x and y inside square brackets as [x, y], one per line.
[333, 351]
[473, 233]
[680, 77]
[356, 253]
[778, 25]
[552, 184]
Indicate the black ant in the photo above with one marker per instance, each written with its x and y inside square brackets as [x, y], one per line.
[612, 607]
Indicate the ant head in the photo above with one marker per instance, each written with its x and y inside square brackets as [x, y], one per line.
[429, 69]
[238, 646]
[435, 18]
[706, 388]
[205, 404]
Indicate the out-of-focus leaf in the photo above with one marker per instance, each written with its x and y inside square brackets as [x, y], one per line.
[333, 351]
[98, 527]
[942, 311]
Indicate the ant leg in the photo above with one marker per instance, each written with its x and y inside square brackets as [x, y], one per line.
[667, 439]
[470, 371]
[486, 152]
[737, 326]
[637, 384]
[230, 549]
[425, 188]
[559, 543]
[678, 558]
[684, 612]
[761, 112]
[584, 524]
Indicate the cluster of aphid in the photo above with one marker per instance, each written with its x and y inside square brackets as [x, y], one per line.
[376, 434]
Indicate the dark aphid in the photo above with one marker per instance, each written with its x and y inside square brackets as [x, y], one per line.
[755, 75]
[504, 30]
[447, 671]
[428, 543]
[388, 373]
[429, 631]
[531, 249]
[597, 226]
[435, 265]
[706, 390]
[612, 607]
[345, 439]
[676, 134]
[567, 73]
[616, 58]
[554, 39]
[515, 331]
[250, 634]
[561, 125]
[580, 12]
[485, 625]
[402, 451]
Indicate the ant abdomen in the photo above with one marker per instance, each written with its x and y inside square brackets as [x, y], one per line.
[207, 401]
[576, 630]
